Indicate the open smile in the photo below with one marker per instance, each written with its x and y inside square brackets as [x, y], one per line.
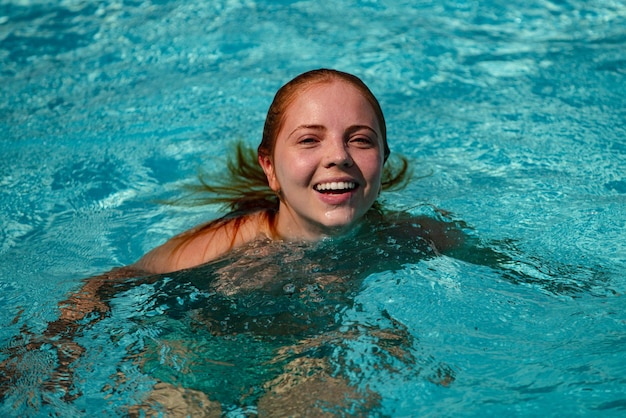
[336, 187]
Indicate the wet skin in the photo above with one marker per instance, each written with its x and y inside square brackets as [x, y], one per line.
[327, 162]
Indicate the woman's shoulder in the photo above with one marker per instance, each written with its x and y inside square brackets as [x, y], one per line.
[443, 234]
[206, 242]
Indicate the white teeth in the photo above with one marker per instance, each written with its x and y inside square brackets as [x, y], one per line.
[336, 185]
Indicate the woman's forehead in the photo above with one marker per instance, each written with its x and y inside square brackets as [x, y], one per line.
[336, 98]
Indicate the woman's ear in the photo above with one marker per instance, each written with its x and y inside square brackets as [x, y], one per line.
[268, 167]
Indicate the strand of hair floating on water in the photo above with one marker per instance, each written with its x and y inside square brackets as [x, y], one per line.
[243, 188]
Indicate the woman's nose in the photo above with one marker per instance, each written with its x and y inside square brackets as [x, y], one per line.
[338, 154]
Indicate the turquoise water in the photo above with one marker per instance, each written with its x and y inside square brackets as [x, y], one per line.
[511, 112]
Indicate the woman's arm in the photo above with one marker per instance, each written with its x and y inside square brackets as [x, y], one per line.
[79, 311]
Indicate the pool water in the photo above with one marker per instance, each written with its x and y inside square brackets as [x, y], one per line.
[512, 113]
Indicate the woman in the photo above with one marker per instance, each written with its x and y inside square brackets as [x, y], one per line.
[321, 165]
[322, 157]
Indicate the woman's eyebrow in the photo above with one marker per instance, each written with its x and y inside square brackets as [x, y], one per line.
[311, 127]
[351, 129]
[355, 128]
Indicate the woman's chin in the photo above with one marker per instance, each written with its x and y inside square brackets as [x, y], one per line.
[338, 227]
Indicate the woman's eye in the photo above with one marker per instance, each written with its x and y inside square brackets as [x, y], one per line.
[361, 140]
[307, 140]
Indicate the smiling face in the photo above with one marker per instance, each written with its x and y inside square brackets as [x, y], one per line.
[327, 161]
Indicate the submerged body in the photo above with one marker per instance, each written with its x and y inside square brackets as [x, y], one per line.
[267, 326]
